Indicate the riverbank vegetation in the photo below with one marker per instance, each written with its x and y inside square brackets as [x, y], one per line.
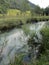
[9, 21]
[43, 54]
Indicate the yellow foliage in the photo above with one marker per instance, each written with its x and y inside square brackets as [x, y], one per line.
[13, 12]
[28, 12]
[1, 14]
[18, 13]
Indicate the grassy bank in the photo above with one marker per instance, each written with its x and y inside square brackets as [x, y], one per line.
[9, 22]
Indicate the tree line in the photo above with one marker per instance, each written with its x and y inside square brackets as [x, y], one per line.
[4, 5]
[41, 11]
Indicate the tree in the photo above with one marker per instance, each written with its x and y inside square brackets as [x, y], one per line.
[3, 6]
[45, 35]
[38, 10]
[25, 6]
[42, 11]
[46, 11]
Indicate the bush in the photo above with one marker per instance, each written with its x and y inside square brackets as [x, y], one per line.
[45, 35]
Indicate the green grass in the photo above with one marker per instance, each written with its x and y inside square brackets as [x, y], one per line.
[14, 18]
[43, 60]
[16, 21]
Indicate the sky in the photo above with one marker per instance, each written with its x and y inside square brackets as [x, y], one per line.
[41, 3]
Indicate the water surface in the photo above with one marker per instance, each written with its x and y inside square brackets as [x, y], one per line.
[15, 42]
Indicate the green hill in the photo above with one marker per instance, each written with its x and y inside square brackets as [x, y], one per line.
[20, 4]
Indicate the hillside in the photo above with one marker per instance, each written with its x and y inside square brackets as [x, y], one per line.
[20, 4]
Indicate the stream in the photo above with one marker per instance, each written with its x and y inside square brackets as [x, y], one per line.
[15, 42]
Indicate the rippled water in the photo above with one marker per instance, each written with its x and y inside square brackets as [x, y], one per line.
[15, 42]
